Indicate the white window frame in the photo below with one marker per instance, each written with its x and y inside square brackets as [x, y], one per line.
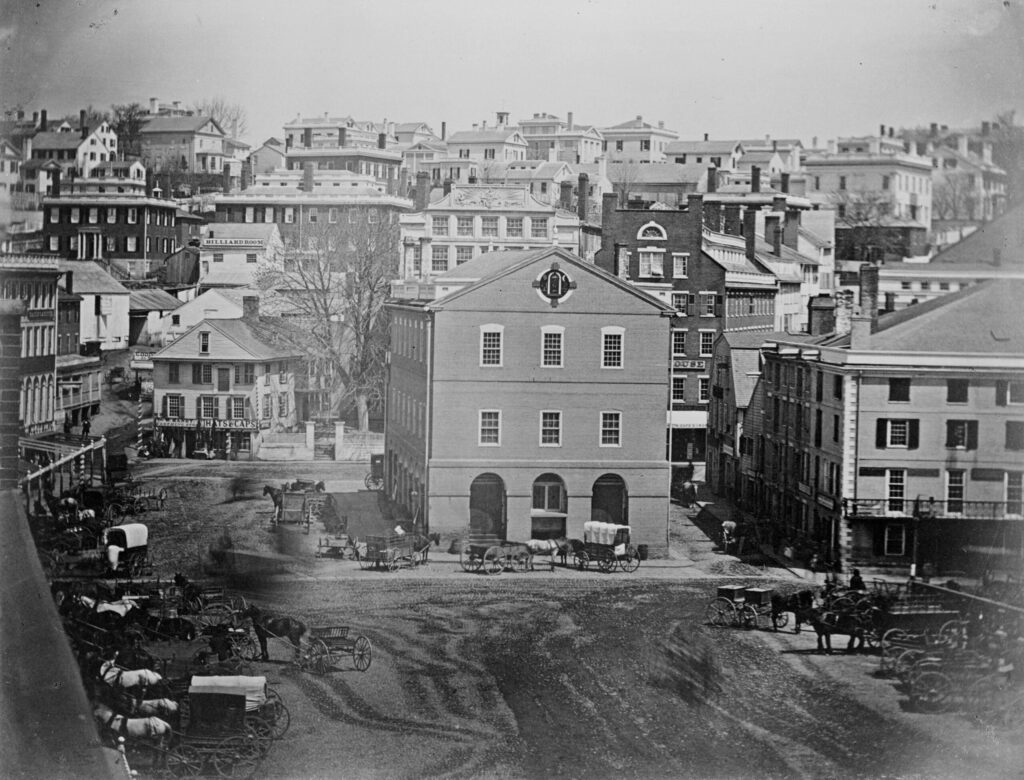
[236, 407]
[131, 244]
[617, 429]
[661, 235]
[460, 223]
[436, 254]
[480, 428]
[204, 342]
[509, 222]
[332, 215]
[435, 222]
[949, 486]
[132, 217]
[539, 227]
[111, 215]
[178, 402]
[613, 330]
[889, 441]
[488, 330]
[680, 265]
[209, 407]
[707, 297]
[552, 330]
[891, 491]
[678, 332]
[289, 215]
[541, 428]
[76, 215]
[652, 261]
[704, 389]
[1017, 477]
[891, 531]
[711, 347]
[681, 400]
[679, 301]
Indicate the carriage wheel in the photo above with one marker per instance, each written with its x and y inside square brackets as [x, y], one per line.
[630, 562]
[364, 562]
[581, 560]
[262, 731]
[277, 716]
[469, 560]
[748, 616]
[713, 614]
[893, 635]
[931, 690]
[236, 756]
[139, 505]
[606, 563]
[362, 653]
[184, 761]
[522, 561]
[903, 666]
[318, 657]
[114, 513]
[781, 620]
[215, 614]
[494, 560]
[953, 633]
[394, 562]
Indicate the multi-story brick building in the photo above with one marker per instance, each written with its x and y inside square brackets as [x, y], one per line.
[79, 376]
[220, 384]
[525, 397]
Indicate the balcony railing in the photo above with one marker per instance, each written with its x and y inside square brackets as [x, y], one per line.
[925, 509]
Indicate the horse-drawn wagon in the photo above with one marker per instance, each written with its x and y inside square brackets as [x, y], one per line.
[293, 509]
[123, 552]
[608, 546]
[328, 643]
[490, 554]
[740, 606]
[395, 552]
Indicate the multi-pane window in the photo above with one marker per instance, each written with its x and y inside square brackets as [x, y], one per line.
[611, 429]
[490, 346]
[549, 494]
[678, 391]
[899, 389]
[679, 343]
[895, 540]
[250, 257]
[538, 227]
[94, 216]
[111, 216]
[1015, 392]
[464, 226]
[439, 259]
[439, 226]
[707, 304]
[704, 389]
[651, 263]
[489, 227]
[218, 257]
[679, 302]
[238, 407]
[131, 244]
[896, 482]
[204, 343]
[490, 427]
[707, 342]
[266, 410]
[174, 405]
[550, 429]
[289, 215]
[514, 227]
[206, 374]
[313, 214]
[282, 404]
[962, 434]
[611, 350]
[209, 407]
[551, 348]
[680, 264]
[898, 433]
[463, 254]
[249, 374]
[955, 485]
[172, 373]
[1014, 492]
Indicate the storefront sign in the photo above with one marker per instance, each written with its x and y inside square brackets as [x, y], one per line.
[249, 425]
[688, 365]
[826, 502]
[251, 243]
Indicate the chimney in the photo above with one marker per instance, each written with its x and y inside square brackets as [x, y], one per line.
[69, 282]
[21, 114]
[821, 315]
[791, 229]
[382, 140]
[933, 129]
[225, 179]
[986, 151]
[890, 301]
[444, 130]
[307, 177]
[502, 118]
[307, 137]
[609, 203]
[342, 136]
[773, 233]
[55, 182]
[250, 308]
[695, 208]
[705, 136]
[447, 186]
[860, 331]
[35, 119]
[565, 195]
[749, 226]
[944, 128]
[997, 257]
[154, 105]
[869, 293]
[639, 118]
[582, 197]
[422, 194]
[775, 146]
[985, 128]
[81, 124]
[571, 125]
[778, 203]
[712, 179]
[713, 215]
[733, 224]
[844, 312]
[881, 131]
[784, 186]
[42, 120]
[892, 131]
[755, 178]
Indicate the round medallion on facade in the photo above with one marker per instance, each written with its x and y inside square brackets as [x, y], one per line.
[554, 285]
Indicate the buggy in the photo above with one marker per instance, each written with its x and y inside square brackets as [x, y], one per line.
[326, 643]
[608, 546]
[742, 607]
[488, 554]
[375, 479]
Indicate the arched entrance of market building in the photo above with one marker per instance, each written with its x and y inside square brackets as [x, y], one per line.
[549, 507]
[609, 500]
[487, 505]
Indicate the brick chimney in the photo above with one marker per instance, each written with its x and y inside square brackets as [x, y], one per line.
[55, 182]
[422, 194]
[791, 229]
[382, 140]
[42, 120]
[749, 226]
[154, 105]
[778, 203]
[447, 186]
[81, 124]
[342, 136]
[773, 233]
[250, 308]
[307, 137]
[712, 179]
[695, 208]
[10, 393]
[713, 215]
[784, 185]
[869, 293]
[755, 178]
[733, 224]
[844, 312]
[821, 315]
[444, 130]
[69, 282]
[582, 196]
[225, 178]
[307, 177]
[565, 195]
[569, 121]
[985, 128]
[933, 129]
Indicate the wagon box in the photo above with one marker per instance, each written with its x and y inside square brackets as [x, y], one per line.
[761, 597]
[732, 592]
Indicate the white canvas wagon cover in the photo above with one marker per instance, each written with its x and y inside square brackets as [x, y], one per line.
[254, 688]
[133, 534]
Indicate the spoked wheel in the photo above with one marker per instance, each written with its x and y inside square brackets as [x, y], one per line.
[730, 613]
[904, 664]
[114, 513]
[581, 560]
[216, 614]
[954, 632]
[748, 616]
[236, 756]
[494, 560]
[373, 483]
[364, 562]
[931, 691]
[262, 731]
[139, 505]
[606, 563]
[781, 620]
[713, 614]
[630, 562]
[469, 560]
[277, 717]
[362, 653]
[319, 657]
[184, 761]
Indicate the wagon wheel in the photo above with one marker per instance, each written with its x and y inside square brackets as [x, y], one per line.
[237, 602]
[713, 614]
[843, 604]
[954, 633]
[261, 731]
[373, 483]
[138, 506]
[362, 653]
[606, 563]
[522, 561]
[581, 560]
[931, 691]
[184, 761]
[903, 666]
[494, 560]
[215, 614]
[630, 562]
[982, 697]
[318, 657]
[364, 562]
[469, 560]
[114, 513]
[893, 635]
[277, 716]
[748, 616]
[236, 756]
[247, 648]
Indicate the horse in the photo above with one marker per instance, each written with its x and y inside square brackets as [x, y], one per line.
[158, 707]
[801, 604]
[567, 547]
[275, 496]
[421, 544]
[828, 623]
[169, 628]
[154, 730]
[114, 675]
[277, 626]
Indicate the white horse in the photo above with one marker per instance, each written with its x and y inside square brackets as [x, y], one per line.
[112, 674]
[123, 726]
[160, 707]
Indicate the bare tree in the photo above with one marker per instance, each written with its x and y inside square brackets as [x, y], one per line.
[232, 117]
[94, 117]
[953, 197]
[127, 123]
[1008, 152]
[333, 287]
[623, 176]
[866, 228]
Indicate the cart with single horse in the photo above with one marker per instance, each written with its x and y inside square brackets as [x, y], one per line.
[740, 606]
[375, 478]
[329, 643]
[489, 554]
[392, 553]
[222, 727]
[293, 509]
[607, 545]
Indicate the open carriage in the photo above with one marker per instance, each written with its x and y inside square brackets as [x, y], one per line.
[392, 553]
[329, 643]
[490, 554]
[742, 607]
[607, 546]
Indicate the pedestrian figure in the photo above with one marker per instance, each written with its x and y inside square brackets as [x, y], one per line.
[67, 424]
[856, 581]
[86, 425]
[728, 534]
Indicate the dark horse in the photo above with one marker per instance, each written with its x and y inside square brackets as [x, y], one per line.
[828, 623]
[801, 604]
[279, 627]
[275, 496]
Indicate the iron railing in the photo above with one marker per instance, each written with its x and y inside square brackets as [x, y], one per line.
[925, 509]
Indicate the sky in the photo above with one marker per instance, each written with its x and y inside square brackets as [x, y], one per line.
[730, 68]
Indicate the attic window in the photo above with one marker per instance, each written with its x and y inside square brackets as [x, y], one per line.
[652, 231]
[204, 343]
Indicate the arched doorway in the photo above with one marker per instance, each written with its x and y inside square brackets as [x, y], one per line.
[487, 505]
[549, 507]
[609, 501]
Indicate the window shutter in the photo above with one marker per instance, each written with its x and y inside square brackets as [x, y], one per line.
[199, 407]
[950, 437]
[718, 305]
[912, 434]
[163, 406]
[691, 303]
[881, 429]
[197, 373]
[1002, 391]
[238, 373]
[972, 435]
